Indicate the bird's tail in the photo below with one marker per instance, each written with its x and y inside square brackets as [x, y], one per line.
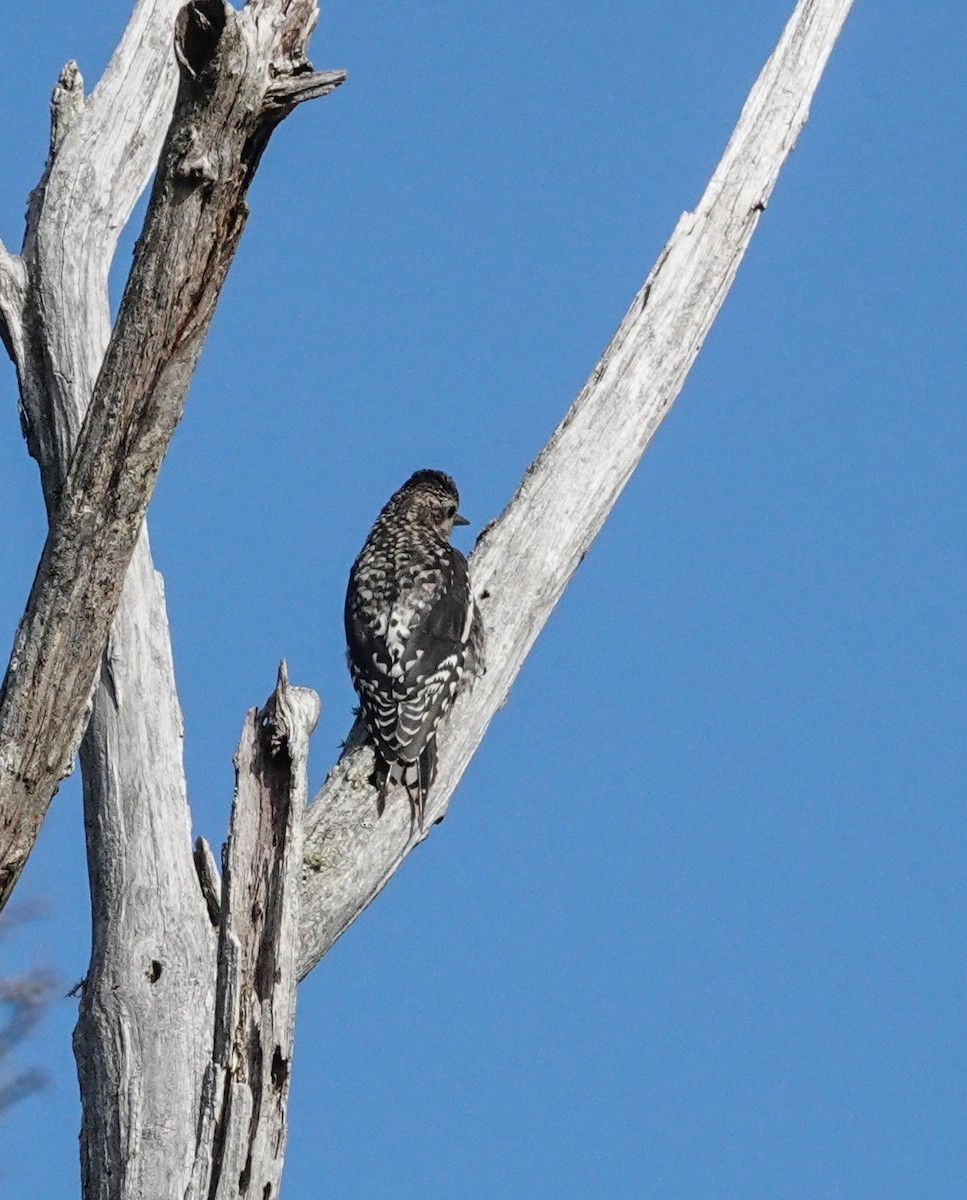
[417, 777]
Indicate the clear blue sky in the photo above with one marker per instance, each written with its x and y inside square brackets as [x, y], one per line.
[695, 926]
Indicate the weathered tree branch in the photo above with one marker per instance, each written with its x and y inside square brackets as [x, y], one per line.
[103, 149]
[242, 1129]
[152, 980]
[13, 293]
[139, 1129]
[144, 904]
[140, 1111]
[209, 879]
[299, 88]
[524, 559]
[196, 216]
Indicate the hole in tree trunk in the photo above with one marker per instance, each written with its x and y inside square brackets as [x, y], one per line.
[280, 1070]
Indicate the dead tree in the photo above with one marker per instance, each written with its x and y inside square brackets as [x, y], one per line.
[200, 975]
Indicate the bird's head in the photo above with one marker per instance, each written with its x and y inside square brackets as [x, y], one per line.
[430, 499]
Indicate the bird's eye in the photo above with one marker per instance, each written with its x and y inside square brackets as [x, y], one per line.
[451, 510]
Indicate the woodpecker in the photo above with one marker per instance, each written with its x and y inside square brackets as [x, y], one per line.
[413, 631]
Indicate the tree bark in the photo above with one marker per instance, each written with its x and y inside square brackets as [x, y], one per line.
[241, 1143]
[58, 326]
[140, 1114]
[523, 560]
[233, 93]
[183, 1043]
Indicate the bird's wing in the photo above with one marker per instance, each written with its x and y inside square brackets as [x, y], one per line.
[442, 625]
[408, 677]
[432, 661]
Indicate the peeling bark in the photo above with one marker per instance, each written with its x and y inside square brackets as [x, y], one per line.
[195, 219]
[184, 1041]
[242, 1129]
[140, 1113]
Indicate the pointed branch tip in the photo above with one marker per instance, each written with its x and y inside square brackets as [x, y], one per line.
[209, 879]
[291, 90]
[66, 101]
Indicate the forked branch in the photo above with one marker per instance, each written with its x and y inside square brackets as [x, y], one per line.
[152, 924]
[221, 123]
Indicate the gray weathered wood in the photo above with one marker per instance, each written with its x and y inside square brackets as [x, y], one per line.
[242, 1131]
[143, 1036]
[160, 1110]
[524, 559]
[13, 296]
[140, 1113]
[103, 149]
[195, 219]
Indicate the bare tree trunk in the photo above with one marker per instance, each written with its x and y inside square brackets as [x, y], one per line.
[150, 989]
[136, 808]
[184, 1038]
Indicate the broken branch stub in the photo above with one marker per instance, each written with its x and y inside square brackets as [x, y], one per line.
[242, 1127]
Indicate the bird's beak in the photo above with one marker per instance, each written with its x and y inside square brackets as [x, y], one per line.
[460, 520]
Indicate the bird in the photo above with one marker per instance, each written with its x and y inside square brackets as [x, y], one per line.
[414, 632]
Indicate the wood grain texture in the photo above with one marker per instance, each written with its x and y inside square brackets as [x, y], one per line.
[13, 295]
[242, 1132]
[195, 218]
[182, 1089]
[136, 813]
[144, 1036]
[523, 560]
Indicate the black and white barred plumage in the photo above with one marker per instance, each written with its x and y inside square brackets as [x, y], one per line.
[413, 630]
